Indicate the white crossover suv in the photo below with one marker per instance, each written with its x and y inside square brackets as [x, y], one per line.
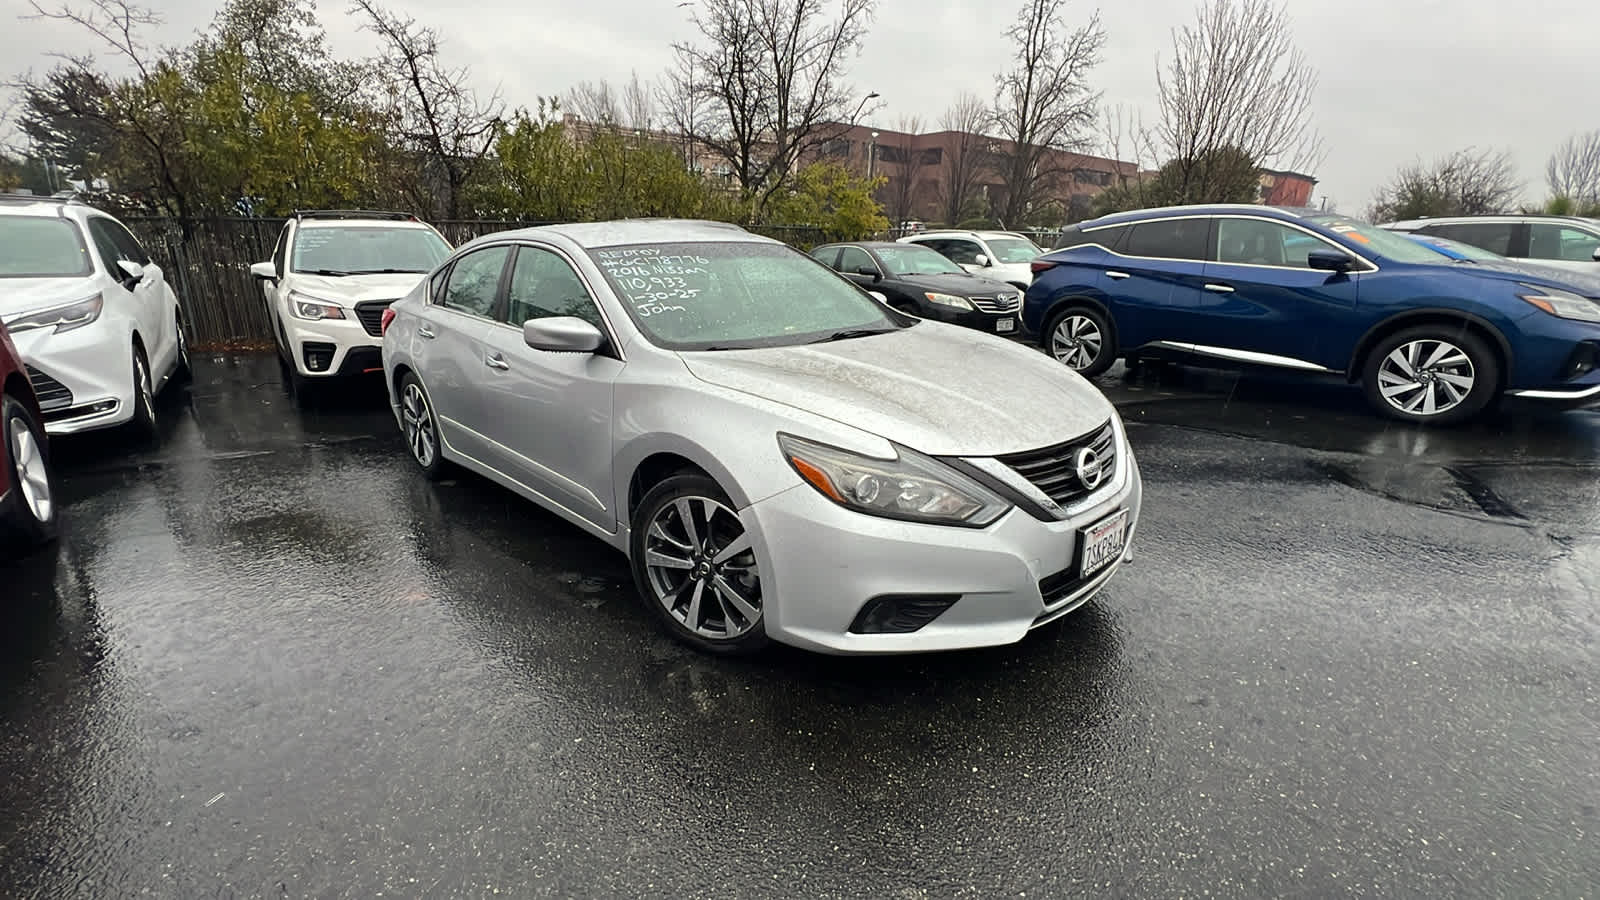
[93, 318]
[998, 255]
[331, 276]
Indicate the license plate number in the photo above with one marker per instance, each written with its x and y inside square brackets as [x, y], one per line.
[1005, 325]
[1103, 542]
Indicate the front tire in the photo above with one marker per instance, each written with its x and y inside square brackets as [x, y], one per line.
[1431, 374]
[696, 568]
[28, 516]
[420, 426]
[183, 371]
[1080, 337]
[143, 424]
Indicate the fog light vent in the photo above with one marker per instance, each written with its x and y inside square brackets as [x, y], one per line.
[318, 356]
[1585, 357]
[900, 613]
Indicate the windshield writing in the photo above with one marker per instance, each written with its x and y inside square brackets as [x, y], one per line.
[367, 249]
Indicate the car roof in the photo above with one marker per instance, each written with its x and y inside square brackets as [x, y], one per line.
[311, 224]
[962, 232]
[637, 231]
[31, 205]
[1282, 213]
[1490, 217]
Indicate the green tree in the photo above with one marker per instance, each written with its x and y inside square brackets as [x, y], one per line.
[828, 196]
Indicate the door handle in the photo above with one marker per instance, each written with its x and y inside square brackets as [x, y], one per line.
[1117, 275]
[425, 331]
[1219, 289]
[496, 362]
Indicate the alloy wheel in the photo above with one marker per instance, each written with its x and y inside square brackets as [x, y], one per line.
[1426, 377]
[183, 348]
[1076, 341]
[418, 419]
[701, 567]
[33, 478]
[147, 394]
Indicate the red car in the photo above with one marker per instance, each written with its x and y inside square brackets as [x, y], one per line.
[27, 486]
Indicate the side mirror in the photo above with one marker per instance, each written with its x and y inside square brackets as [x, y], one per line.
[870, 271]
[880, 297]
[265, 271]
[1330, 261]
[131, 271]
[982, 260]
[562, 334]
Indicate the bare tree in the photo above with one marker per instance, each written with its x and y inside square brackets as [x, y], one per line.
[1236, 82]
[1466, 182]
[440, 116]
[966, 156]
[1044, 104]
[1573, 171]
[765, 84]
[903, 161]
[598, 103]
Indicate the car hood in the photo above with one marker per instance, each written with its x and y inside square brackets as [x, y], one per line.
[961, 285]
[26, 295]
[1580, 282]
[357, 288]
[936, 388]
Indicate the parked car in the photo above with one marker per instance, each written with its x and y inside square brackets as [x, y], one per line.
[918, 281]
[780, 456]
[331, 276]
[27, 483]
[97, 326]
[1429, 340]
[1566, 242]
[1001, 255]
[1586, 283]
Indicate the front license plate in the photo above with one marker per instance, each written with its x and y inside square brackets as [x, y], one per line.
[1005, 325]
[1103, 542]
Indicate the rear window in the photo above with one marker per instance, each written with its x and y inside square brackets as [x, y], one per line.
[38, 247]
[1169, 239]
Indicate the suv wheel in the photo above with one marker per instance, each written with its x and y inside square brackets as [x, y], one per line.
[29, 515]
[183, 371]
[143, 423]
[1081, 338]
[694, 565]
[1438, 374]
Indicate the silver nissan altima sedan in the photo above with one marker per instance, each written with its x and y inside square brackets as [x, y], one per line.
[780, 455]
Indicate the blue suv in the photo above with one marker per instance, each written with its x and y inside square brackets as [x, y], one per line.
[1429, 340]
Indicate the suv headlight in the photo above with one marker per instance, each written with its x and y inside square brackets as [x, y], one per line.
[913, 487]
[61, 318]
[950, 300]
[1565, 304]
[313, 308]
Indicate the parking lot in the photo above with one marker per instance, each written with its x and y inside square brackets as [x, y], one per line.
[268, 659]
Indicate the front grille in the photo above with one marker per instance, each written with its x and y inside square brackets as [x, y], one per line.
[371, 315]
[1002, 304]
[52, 394]
[1054, 470]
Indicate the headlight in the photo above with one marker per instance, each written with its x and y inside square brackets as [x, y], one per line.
[61, 318]
[313, 308]
[912, 487]
[1565, 304]
[948, 300]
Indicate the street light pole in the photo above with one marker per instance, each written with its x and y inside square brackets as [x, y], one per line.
[872, 154]
[871, 96]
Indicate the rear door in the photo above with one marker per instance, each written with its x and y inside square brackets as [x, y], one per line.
[1153, 280]
[1566, 246]
[449, 346]
[1504, 238]
[1262, 302]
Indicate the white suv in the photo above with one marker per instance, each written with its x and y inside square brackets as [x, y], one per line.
[93, 318]
[1000, 255]
[1566, 242]
[332, 275]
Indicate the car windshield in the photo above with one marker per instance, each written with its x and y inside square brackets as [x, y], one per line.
[1381, 241]
[910, 259]
[1013, 250]
[367, 249]
[39, 247]
[732, 295]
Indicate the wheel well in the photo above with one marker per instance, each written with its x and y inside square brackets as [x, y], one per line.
[1472, 325]
[17, 385]
[400, 372]
[654, 470]
[1070, 302]
[138, 342]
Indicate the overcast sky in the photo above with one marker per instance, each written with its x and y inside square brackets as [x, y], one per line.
[1399, 79]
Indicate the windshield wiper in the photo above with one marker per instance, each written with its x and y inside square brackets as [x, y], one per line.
[853, 333]
[331, 273]
[386, 272]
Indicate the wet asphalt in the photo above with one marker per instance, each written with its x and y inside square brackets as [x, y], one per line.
[269, 660]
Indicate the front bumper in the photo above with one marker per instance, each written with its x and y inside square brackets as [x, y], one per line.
[822, 563]
[332, 348]
[977, 320]
[83, 378]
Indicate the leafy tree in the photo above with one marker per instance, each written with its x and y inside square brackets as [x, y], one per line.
[1467, 182]
[828, 196]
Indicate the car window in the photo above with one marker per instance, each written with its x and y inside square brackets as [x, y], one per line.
[1492, 236]
[280, 250]
[1561, 242]
[1013, 250]
[911, 259]
[1109, 238]
[1169, 239]
[543, 285]
[1258, 242]
[39, 247]
[106, 246]
[828, 256]
[358, 249]
[853, 258]
[961, 252]
[475, 281]
[127, 245]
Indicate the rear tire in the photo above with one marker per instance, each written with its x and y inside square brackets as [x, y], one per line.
[420, 428]
[1431, 374]
[1081, 338]
[29, 514]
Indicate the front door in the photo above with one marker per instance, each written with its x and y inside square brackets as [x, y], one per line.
[547, 416]
[145, 297]
[449, 347]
